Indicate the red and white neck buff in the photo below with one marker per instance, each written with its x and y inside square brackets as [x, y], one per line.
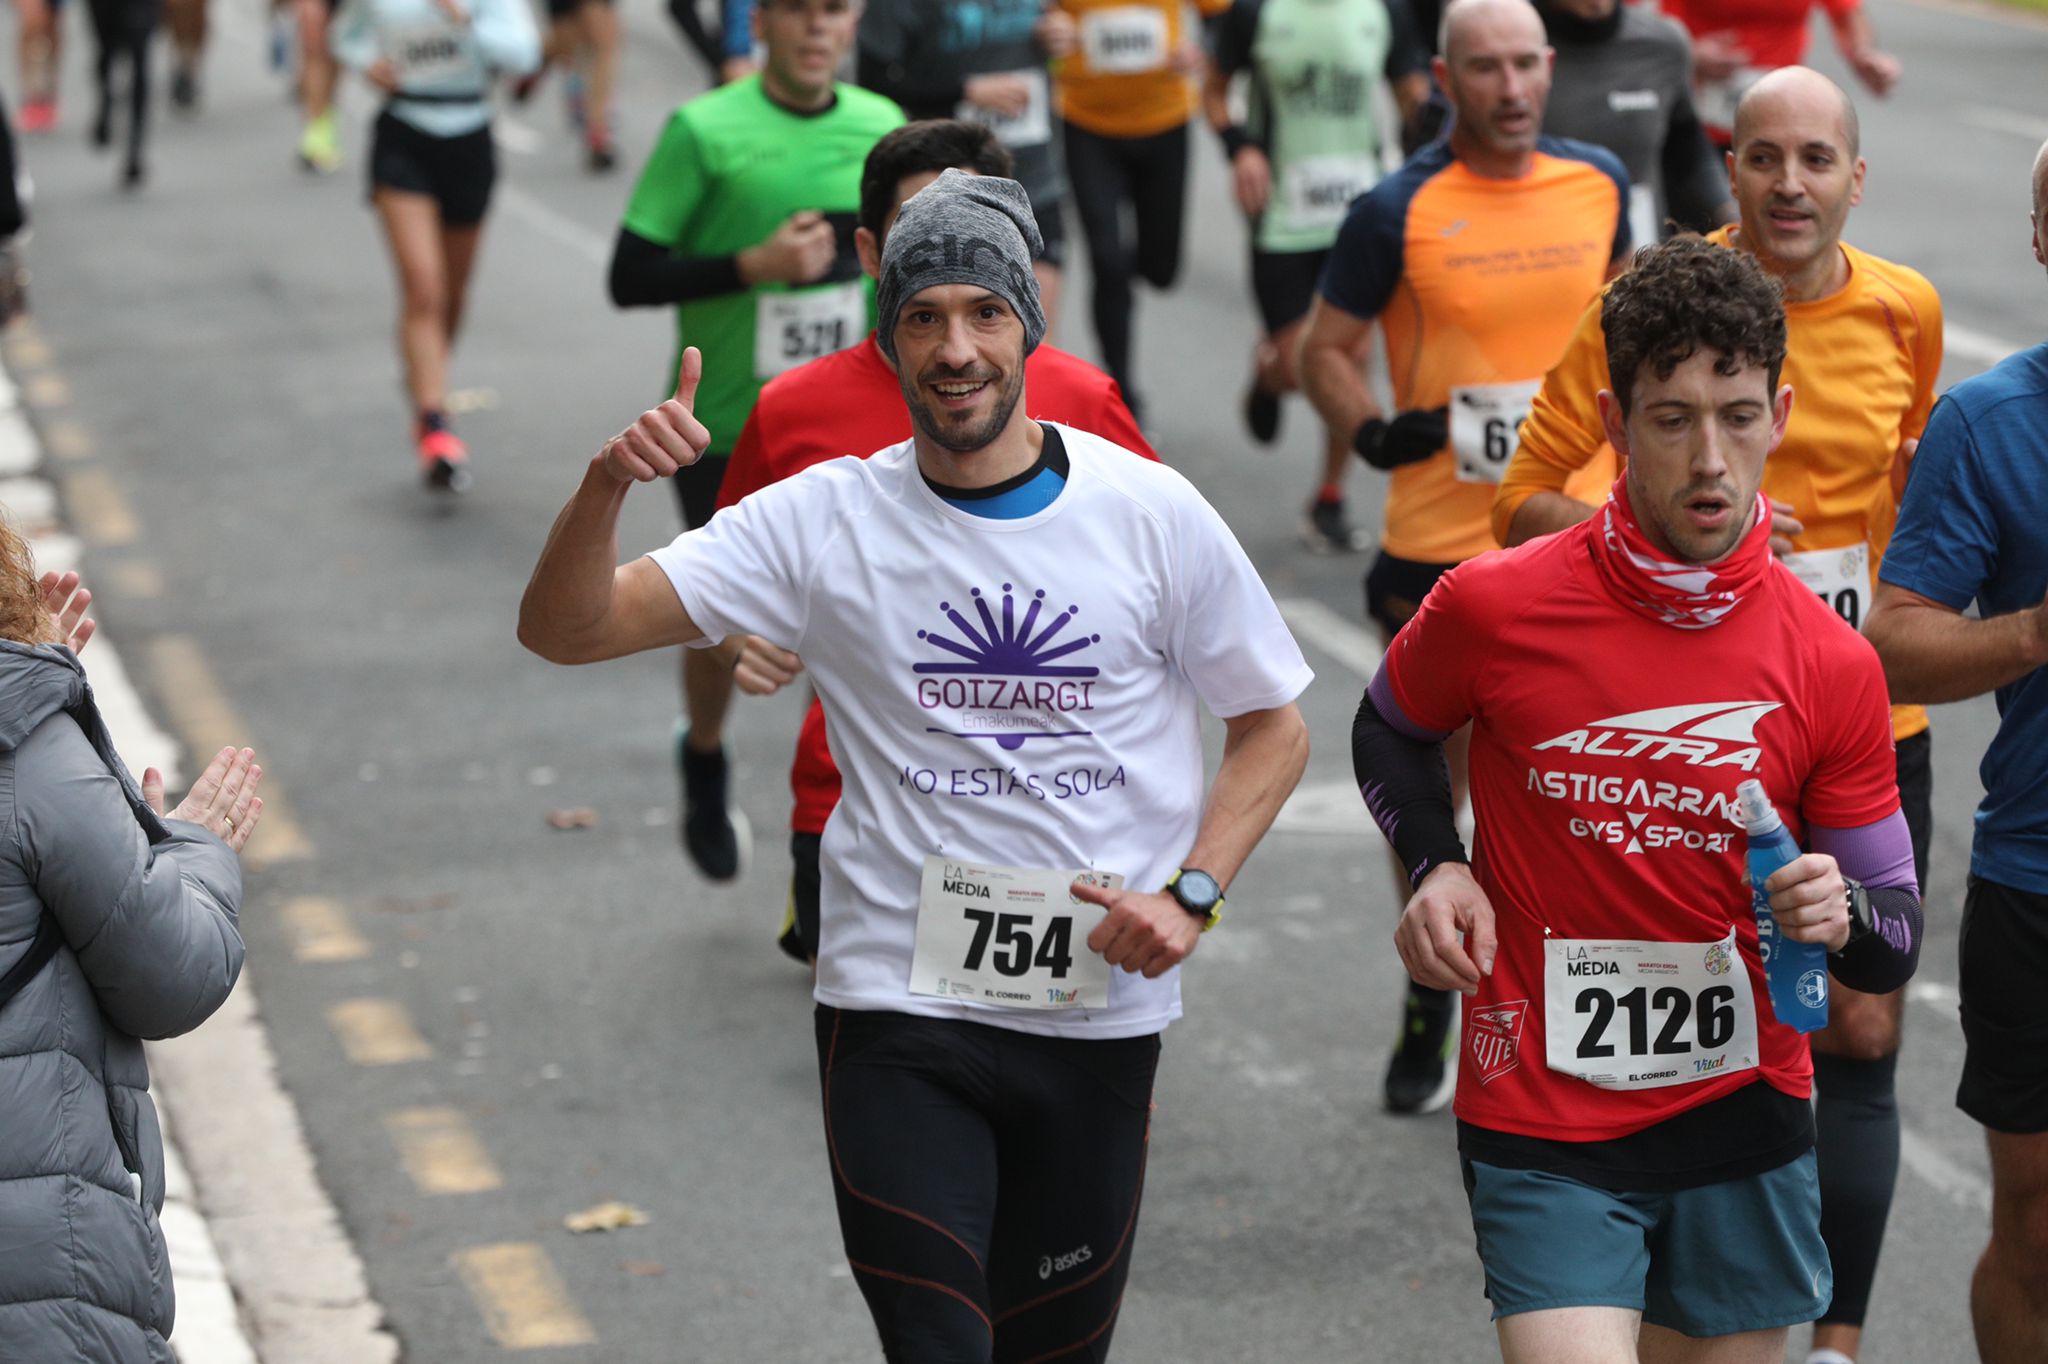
[1686, 596]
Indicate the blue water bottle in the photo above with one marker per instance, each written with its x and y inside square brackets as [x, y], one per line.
[1796, 971]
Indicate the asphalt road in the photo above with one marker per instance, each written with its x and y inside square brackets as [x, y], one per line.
[600, 1021]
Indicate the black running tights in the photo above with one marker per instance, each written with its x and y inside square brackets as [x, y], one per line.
[988, 1182]
[1143, 180]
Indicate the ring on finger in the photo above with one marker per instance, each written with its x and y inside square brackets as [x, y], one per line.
[229, 820]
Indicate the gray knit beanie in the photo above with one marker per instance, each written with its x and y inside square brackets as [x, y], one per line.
[962, 229]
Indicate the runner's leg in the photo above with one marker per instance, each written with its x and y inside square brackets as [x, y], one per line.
[1101, 187]
[412, 229]
[1569, 1335]
[914, 1171]
[1421, 1076]
[319, 140]
[1856, 1109]
[1159, 193]
[41, 32]
[1660, 1346]
[2009, 1291]
[2003, 956]
[600, 26]
[1073, 1124]
[186, 20]
[684, 13]
[139, 28]
[708, 833]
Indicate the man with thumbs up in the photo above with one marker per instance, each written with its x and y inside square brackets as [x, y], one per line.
[1008, 622]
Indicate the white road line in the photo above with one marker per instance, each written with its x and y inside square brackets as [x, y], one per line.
[1996, 120]
[1939, 996]
[1971, 344]
[1964, 1188]
[1355, 647]
[549, 223]
[514, 136]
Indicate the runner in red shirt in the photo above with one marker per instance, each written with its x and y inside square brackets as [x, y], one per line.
[1639, 1156]
[850, 403]
[1736, 42]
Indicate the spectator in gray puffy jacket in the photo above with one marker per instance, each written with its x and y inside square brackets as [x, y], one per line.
[140, 911]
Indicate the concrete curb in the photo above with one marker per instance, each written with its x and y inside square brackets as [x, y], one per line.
[301, 1285]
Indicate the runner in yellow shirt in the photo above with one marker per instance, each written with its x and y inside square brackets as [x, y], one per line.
[1864, 352]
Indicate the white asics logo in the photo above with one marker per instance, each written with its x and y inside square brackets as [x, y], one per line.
[1716, 734]
[1050, 1265]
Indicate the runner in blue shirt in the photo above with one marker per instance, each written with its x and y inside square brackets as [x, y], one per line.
[1970, 532]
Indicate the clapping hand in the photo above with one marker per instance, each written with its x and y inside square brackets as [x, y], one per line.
[223, 801]
[66, 602]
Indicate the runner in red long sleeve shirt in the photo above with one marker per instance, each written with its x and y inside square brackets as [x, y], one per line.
[1632, 1117]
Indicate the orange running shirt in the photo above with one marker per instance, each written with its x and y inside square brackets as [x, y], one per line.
[1862, 363]
[1122, 80]
[1477, 284]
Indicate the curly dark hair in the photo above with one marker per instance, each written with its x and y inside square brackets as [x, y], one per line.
[1684, 296]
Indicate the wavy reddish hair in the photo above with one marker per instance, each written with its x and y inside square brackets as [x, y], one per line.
[22, 617]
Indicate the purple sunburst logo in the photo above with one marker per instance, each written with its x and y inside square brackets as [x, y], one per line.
[1009, 647]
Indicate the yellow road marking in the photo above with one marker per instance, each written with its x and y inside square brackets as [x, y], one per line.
[100, 509]
[377, 1032]
[67, 440]
[321, 930]
[523, 1300]
[441, 1152]
[47, 390]
[28, 347]
[133, 578]
[199, 711]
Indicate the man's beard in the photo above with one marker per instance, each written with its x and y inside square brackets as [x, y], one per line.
[958, 439]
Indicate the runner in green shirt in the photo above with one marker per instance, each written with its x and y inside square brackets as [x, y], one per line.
[1311, 144]
[743, 219]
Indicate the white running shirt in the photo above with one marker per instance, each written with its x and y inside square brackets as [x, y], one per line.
[1015, 693]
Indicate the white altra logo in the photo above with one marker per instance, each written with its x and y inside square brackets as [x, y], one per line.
[1714, 734]
[1644, 812]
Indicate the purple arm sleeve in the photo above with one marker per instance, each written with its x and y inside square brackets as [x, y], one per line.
[1880, 856]
[1407, 787]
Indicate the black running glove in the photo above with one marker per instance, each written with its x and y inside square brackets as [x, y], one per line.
[1408, 439]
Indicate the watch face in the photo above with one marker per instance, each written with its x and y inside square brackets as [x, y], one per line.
[1197, 889]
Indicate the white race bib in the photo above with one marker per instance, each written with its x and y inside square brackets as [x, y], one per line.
[1315, 190]
[1484, 421]
[1839, 577]
[1124, 40]
[1008, 936]
[1715, 101]
[1032, 128]
[426, 53]
[1643, 1015]
[803, 324]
